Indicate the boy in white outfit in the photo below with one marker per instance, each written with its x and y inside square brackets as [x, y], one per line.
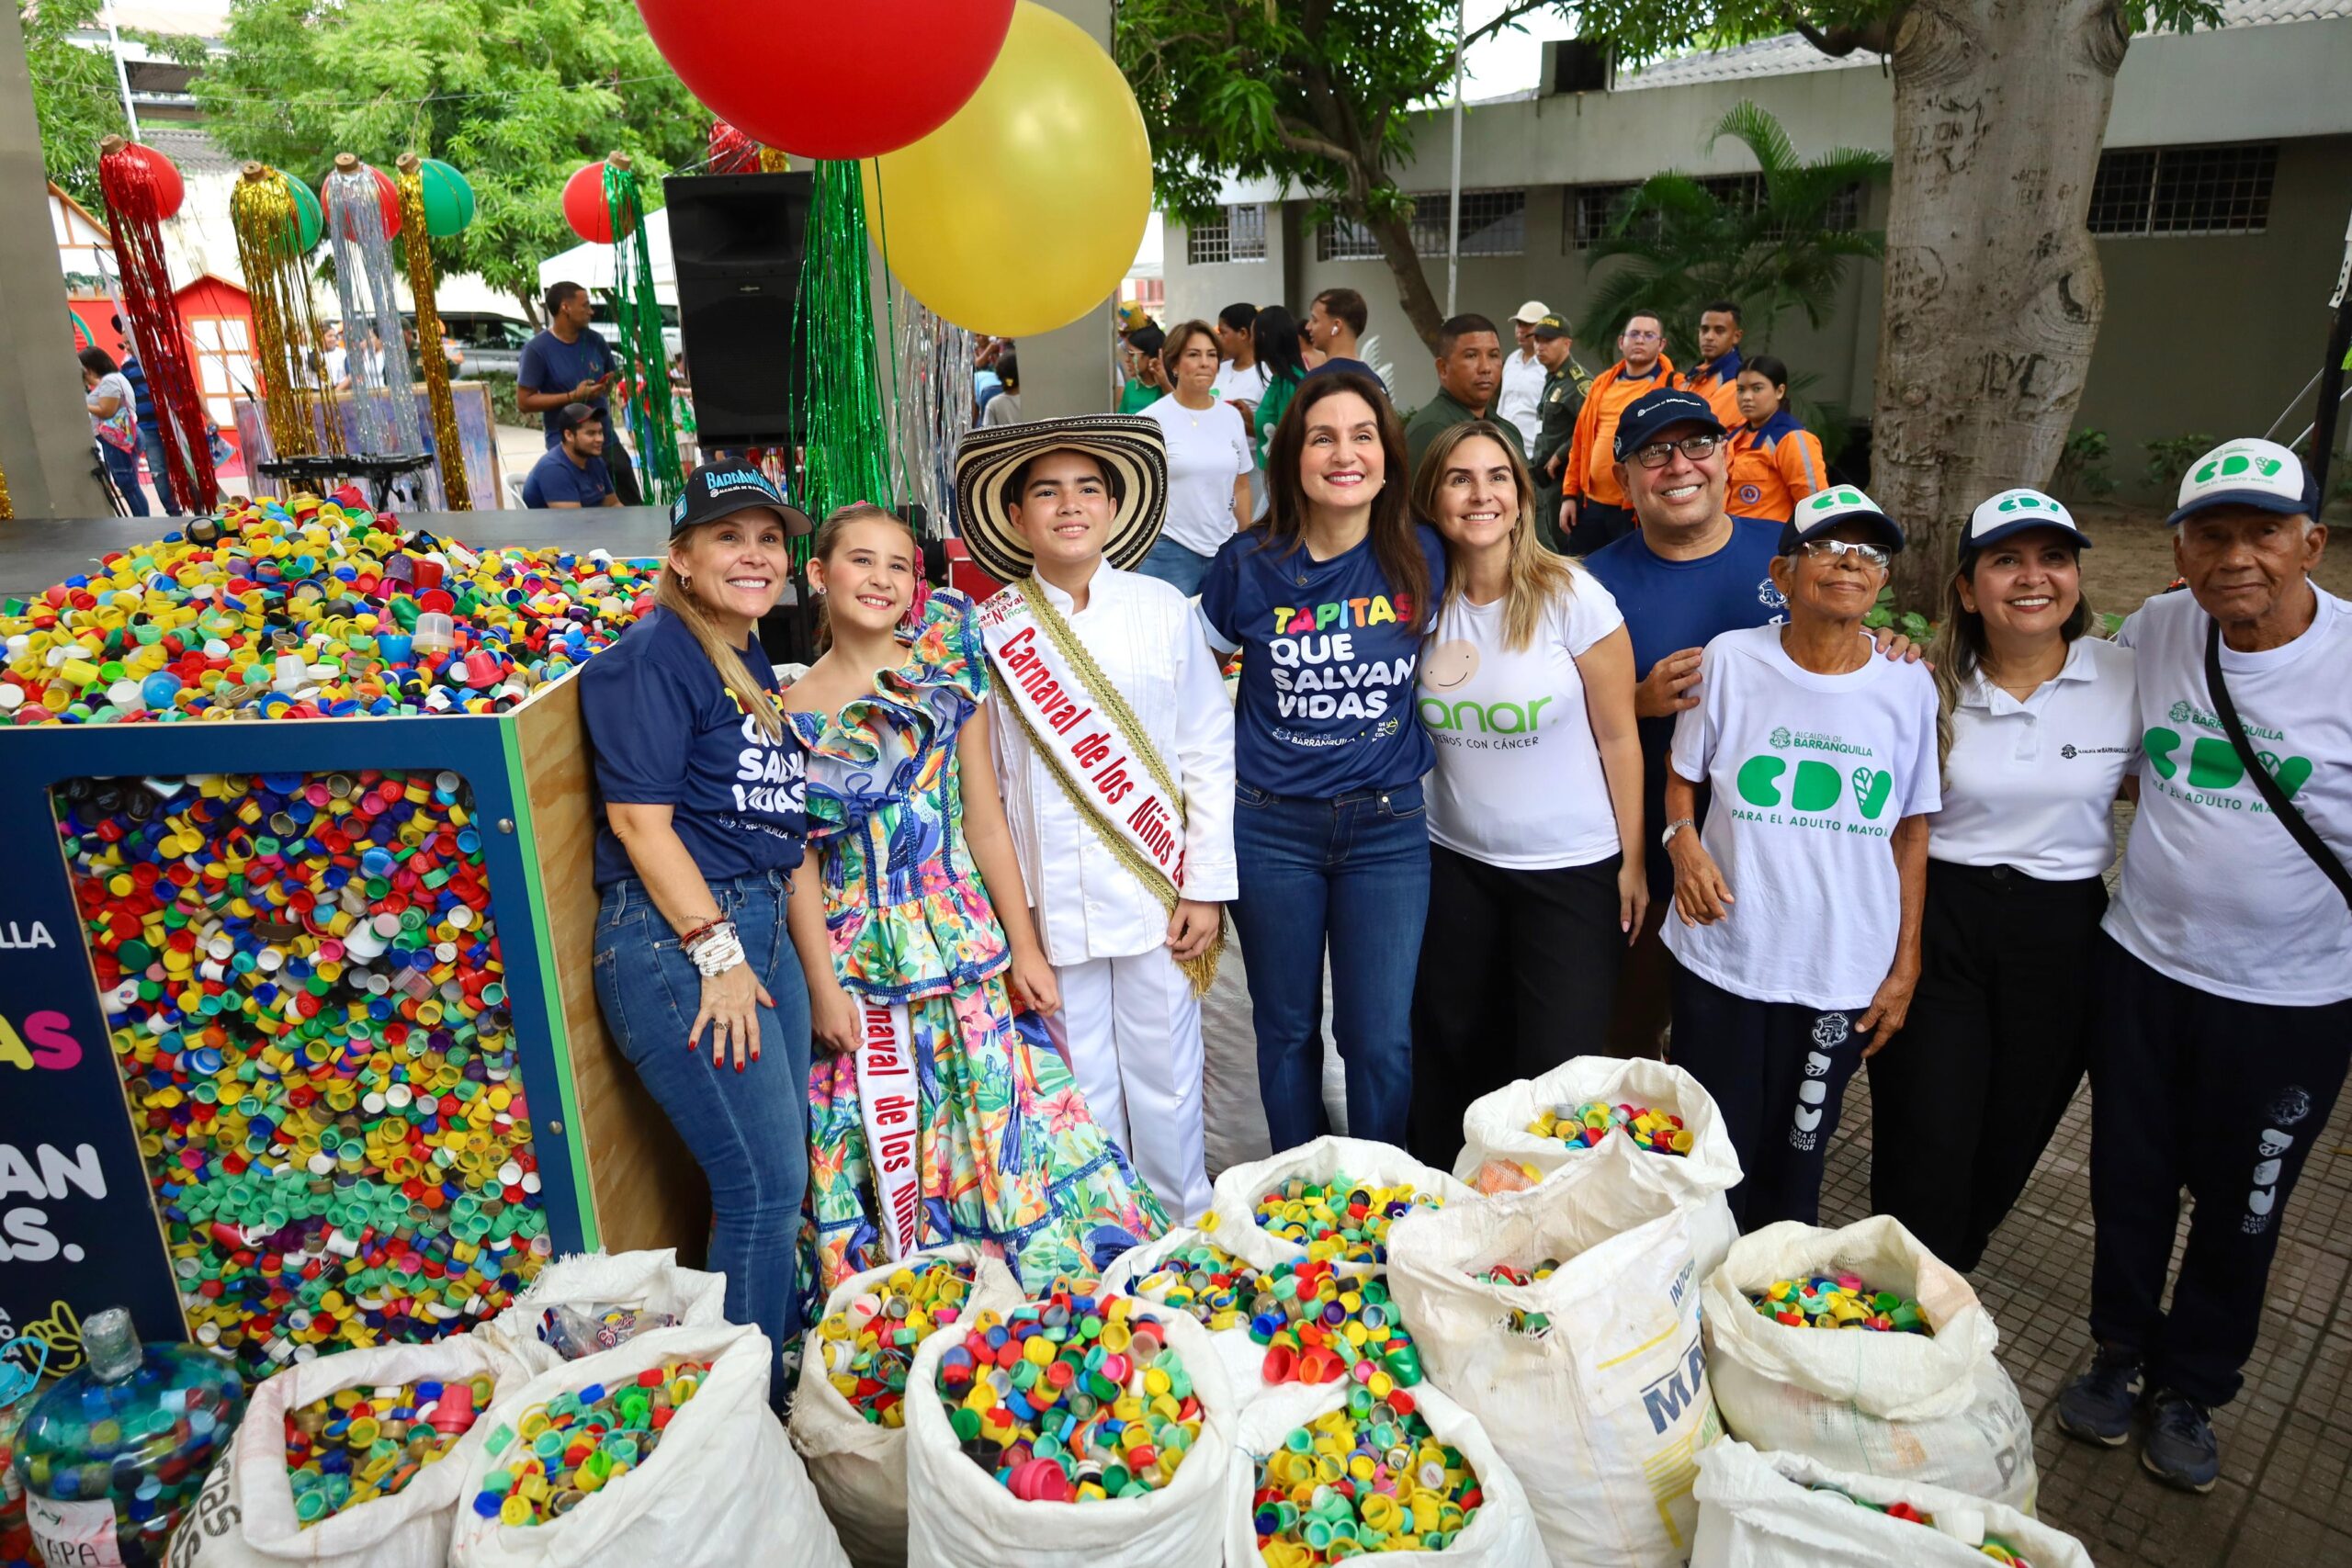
[1114, 753]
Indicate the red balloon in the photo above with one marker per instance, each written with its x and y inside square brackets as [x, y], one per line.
[169, 190]
[826, 79]
[388, 200]
[583, 205]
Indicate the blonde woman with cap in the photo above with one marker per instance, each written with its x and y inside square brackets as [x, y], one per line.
[1795, 933]
[701, 932]
[2036, 731]
[1114, 753]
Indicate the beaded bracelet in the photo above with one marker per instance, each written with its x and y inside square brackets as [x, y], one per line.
[718, 952]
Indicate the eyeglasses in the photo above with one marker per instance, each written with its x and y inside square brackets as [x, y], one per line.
[1656, 455]
[1830, 549]
[1641, 337]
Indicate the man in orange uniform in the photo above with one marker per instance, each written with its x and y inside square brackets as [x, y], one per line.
[1594, 510]
[1716, 375]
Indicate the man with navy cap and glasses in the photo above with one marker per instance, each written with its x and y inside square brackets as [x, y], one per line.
[2225, 967]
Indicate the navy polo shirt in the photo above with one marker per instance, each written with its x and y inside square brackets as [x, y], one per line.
[552, 364]
[554, 479]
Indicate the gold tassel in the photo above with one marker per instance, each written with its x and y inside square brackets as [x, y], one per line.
[261, 209]
[7, 507]
[772, 162]
[430, 359]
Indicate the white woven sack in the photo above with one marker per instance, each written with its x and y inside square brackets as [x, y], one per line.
[1910, 1407]
[651, 1281]
[1758, 1510]
[724, 1490]
[1600, 1415]
[1495, 1127]
[960, 1516]
[860, 1470]
[1232, 1221]
[253, 1524]
[1244, 1359]
[1501, 1534]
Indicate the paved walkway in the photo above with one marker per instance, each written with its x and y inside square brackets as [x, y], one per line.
[2285, 1496]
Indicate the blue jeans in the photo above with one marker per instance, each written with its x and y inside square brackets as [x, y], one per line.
[151, 441]
[1353, 873]
[749, 1131]
[1172, 562]
[123, 469]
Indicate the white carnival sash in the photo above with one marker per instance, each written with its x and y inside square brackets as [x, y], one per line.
[1092, 744]
[888, 1099]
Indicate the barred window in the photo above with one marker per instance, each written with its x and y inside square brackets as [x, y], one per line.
[1494, 223]
[1595, 206]
[2184, 191]
[1236, 233]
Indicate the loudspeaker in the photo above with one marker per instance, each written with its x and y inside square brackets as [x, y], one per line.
[736, 241]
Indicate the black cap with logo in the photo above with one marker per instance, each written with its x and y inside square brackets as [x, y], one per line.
[720, 489]
[1662, 409]
[1552, 326]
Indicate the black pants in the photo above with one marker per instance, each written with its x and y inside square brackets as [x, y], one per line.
[1518, 973]
[1597, 525]
[617, 465]
[1778, 1072]
[2227, 1098]
[1963, 1101]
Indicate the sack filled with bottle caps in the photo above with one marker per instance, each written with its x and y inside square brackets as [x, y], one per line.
[1418, 1466]
[1661, 1109]
[660, 1451]
[1876, 1393]
[849, 1410]
[1565, 1319]
[1784, 1510]
[1191, 1256]
[1332, 1199]
[633, 1290]
[352, 1460]
[1113, 1450]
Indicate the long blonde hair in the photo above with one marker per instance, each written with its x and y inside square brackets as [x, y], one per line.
[671, 593]
[828, 540]
[1536, 575]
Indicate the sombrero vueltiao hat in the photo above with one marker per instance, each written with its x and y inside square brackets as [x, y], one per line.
[1132, 449]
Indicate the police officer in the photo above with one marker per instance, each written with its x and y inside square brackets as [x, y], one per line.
[1562, 400]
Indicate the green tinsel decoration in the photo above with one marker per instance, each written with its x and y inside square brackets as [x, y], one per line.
[849, 454]
[645, 367]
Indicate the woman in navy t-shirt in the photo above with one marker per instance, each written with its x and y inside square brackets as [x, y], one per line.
[701, 785]
[1327, 597]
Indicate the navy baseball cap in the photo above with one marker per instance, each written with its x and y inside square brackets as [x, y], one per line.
[2015, 511]
[721, 489]
[2260, 474]
[1824, 510]
[1662, 409]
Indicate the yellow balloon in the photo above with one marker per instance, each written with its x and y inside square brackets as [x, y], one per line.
[1023, 211]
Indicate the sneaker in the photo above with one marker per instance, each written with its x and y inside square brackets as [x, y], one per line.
[2098, 1406]
[2181, 1449]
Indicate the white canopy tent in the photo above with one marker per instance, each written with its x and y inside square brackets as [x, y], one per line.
[591, 266]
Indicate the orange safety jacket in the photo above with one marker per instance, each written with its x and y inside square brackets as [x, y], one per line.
[1719, 384]
[1773, 469]
[1590, 472]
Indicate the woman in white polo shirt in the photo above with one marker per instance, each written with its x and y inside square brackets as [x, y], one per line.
[1209, 460]
[1797, 944]
[2037, 728]
[1536, 884]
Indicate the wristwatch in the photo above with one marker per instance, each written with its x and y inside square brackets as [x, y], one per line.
[1666, 839]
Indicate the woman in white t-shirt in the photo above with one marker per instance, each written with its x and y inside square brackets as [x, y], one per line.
[1797, 947]
[1208, 460]
[1537, 886]
[2038, 728]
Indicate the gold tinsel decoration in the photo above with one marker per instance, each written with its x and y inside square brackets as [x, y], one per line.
[294, 387]
[431, 361]
[773, 162]
[7, 507]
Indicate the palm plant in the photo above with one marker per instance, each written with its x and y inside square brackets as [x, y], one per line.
[1684, 241]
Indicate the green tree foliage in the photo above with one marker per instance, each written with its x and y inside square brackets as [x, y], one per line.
[516, 93]
[1644, 29]
[74, 94]
[1316, 92]
[1681, 242]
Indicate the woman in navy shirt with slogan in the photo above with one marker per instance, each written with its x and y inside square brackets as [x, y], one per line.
[702, 789]
[1328, 597]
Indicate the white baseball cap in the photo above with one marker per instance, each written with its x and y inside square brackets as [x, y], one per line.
[2247, 472]
[2013, 512]
[1532, 312]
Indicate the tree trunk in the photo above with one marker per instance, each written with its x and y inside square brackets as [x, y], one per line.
[530, 307]
[1992, 293]
[1404, 259]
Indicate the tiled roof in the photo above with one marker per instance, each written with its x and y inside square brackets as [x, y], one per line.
[1790, 55]
[191, 147]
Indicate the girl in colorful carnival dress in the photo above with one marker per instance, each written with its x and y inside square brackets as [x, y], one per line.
[941, 1117]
